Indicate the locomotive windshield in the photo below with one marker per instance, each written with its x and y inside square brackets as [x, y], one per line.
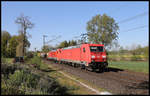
[96, 48]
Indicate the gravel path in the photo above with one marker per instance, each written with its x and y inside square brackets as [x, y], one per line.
[114, 80]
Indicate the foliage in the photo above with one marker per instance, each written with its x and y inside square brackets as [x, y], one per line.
[134, 54]
[19, 49]
[28, 56]
[66, 44]
[102, 29]
[13, 42]
[63, 44]
[47, 48]
[25, 24]
[72, 43]
[122, 50]
[18, 79]
[23, 76]
[5, 37]
[139, 51]
[9, 68]
[3, 60]
[36, 61]
[11, 45]
[26, 44]
[146, 51]
[19, 82]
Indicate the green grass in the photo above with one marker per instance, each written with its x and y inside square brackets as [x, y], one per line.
[21, 79]
[128, 56]
[138, 66]
[8, 60]
[74, 87]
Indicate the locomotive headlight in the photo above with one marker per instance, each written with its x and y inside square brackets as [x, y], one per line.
[104, 56]
[93, 56]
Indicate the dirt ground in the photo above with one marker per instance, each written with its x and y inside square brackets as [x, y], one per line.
[116, 81]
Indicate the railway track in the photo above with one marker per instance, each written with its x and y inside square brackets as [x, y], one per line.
[114, 80]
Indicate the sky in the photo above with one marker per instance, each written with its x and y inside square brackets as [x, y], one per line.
[69, 19]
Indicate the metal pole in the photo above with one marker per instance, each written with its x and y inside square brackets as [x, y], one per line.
[44, 40]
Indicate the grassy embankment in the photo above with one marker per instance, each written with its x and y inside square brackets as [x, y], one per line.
[137, 63]
[35, 77]
[137, 66]
[127, 57]
[27, 79]
[8, 60]
[69, 83]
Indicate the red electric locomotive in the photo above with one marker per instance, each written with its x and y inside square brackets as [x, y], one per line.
[52, 55]
[91, 56]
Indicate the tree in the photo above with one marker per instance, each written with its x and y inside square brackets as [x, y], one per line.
[19, 49]
[13, 42]
[25, 24]
[73, 43]
[46, 48]
[146, 51]
[134, 49]
[63, 44]
[102, 30]
[5, 37]
[66, 44]
[69, 43]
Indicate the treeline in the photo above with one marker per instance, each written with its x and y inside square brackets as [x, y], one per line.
[67, 44]
[10, 43]
[134, 54]
[61, 45]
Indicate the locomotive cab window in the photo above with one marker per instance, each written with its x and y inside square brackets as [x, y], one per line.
[83, 49]
[96, 48]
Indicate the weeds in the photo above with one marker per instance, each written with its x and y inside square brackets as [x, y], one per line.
[36, 62]
[19, 79]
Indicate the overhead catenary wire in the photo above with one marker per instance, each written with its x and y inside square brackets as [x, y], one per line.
[82, 36]
[139, 27]
[126, 20]
[134, 17]
[53, 39]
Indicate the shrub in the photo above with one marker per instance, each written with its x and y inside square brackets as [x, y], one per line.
[8, 69]
[25, 58]
[36, 61]
[51, 87]
[20, 82]
[28, 56]
[7, 89]
[21, 76]
[136, 58]
[10, 86]
[3, 60]
[17, 79]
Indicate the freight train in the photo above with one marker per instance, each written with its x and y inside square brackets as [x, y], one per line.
[88, 56]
